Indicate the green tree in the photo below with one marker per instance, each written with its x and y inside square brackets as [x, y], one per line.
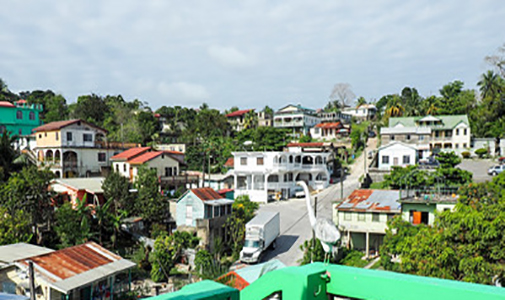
[243, 210]
[448, 159]
[14, 228]
[91, 108]
[117, 189]
[7, 156]
[491, 85]
[73, 224]
[149, 203]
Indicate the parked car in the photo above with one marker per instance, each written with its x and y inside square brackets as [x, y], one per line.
[372, 134]
[495, 170]
[429, 163]
[299, 192]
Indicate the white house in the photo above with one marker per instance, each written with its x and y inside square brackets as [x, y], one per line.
[264, 174]
[297, 118]
[363, 216]
[363, 112]
[329, 131]
[397, 154]
[166, 163]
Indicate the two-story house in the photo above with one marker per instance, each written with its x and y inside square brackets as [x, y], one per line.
[73, 148]
[166, 163]
[420, 207]
[362, 218]
[19, 118]
[436, 133]
[362, 112]
[296, 118]
[329, 131]
[237, 119]
[333, 116]
[264, 174]
[206, 211]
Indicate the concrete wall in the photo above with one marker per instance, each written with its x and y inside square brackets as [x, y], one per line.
[396, 152]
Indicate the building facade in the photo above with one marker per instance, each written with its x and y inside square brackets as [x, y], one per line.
[397, 154]
[329, 131]
[19, 118]
[296, 118]
[261, 175]
[362, 112]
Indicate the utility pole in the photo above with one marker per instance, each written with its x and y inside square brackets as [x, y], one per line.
[341, 183]
[31, 280]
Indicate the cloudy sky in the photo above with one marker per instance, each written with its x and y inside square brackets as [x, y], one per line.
[247, 53]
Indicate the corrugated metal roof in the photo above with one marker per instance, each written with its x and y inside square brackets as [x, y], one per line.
[144, 157]
[372, 200]
[306, 144]
[239, 113]
[77, 266]
[130, 153]
[229, 162]
[329, 125]
[6, 104]
[91, 184]
[61, 124]
[206, 194]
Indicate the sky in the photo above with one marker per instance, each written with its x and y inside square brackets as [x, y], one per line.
[249, 53]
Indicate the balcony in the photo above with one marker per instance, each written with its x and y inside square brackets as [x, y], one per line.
[70, 164]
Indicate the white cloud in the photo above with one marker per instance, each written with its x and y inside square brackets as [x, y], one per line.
[184, 92]
[230, 57]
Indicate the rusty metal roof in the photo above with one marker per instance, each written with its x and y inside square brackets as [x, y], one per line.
[76, 266]
[61, 124]
[130, 153]
[371, 200]
[206, 194]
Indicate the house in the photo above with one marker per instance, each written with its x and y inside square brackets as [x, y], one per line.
[265, 119]
[397, 154]
[238, 119]
[261, 175]
[296, 118]
[335, 149]
[71, 189]
[333, 116]
[362, 218]
[420, 207]
[243, 276]
[78, 272]
[19, 118]
[218, 181]
[166, 163]
[438, 133]
[9, 254]
[329, 131]
[172, 147]
[205, 211]
[73, 148]
[362, 112]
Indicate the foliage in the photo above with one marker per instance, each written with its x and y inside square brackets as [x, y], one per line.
[243, 210]
[14, 228]
[167, 252]
[263, 138]
[208, 266]
[465, 244]
[73, 224]
[54, 107]
[409, 176]
[448, 159]
[149, 203]
[7, 156]
[117, 188]
[312, 251]
[481, 152]
[305, 139]
[466, 154]
[395, 242]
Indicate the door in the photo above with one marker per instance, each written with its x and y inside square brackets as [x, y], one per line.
[417, 218]
[395, 161]
[189, 215]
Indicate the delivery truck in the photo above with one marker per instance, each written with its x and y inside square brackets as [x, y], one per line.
[260, 233]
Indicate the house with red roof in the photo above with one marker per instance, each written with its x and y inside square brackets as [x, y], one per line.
[73, 148]
[205, 211]
[238, 119]
[362, 218]
[166, 163]
[329, 131]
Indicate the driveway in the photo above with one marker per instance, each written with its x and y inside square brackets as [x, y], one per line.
[478, 167]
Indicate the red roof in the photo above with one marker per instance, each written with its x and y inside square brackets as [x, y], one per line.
[329, 125]
[22, 101]
[62, 124]
[206, 193]
[130, 153]
[224, 191]
[144, 157]
[234, 280]
[305, 144]
[6, 104]
[72, 261]
[229, 162]
[238, 113]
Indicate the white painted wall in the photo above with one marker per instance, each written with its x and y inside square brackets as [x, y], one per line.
[396, 151]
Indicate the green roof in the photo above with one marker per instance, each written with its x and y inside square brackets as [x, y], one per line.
[448, 122]
[206, 289]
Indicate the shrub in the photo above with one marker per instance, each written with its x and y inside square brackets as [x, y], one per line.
[466, 154]
[481, 152]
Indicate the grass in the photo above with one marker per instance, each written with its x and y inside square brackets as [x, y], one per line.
[354, 259]
[377, 185]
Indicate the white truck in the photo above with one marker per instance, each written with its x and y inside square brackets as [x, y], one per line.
[260, 233]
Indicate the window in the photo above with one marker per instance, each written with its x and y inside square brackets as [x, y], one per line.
[168, 171]
[457, 131]
[124, 167]
[385, 159]
[392, 137]
[243, 161]
[208, 212]
[406, 159]
[31, 115]
[87, 137]
[57, 135]
[421, 137]
[361, 217]
[390, 217]
[456, 146]
[437, 133]
[117, 167]
[464, 131]
[259, 161]
[216, 211]
[69, 136]
[101, 156]
[408, 137]
[464, 145]
[19, 115]
[347, 216]
[375, 217]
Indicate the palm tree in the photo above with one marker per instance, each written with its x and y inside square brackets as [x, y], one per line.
[490, 84]
[250, 120]
[394, 107]
[7, 155]
[360, 101]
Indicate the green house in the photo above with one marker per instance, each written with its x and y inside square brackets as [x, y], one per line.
[19, 118]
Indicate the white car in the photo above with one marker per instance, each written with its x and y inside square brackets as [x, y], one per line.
[299, 192]
[495, 170]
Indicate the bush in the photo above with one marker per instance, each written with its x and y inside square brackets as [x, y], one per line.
[466, 154]
[481, 152]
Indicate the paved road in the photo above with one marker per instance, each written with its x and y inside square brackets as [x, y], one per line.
[295, 226]
[478, 167]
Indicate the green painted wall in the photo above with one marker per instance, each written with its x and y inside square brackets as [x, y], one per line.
[23, 126]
